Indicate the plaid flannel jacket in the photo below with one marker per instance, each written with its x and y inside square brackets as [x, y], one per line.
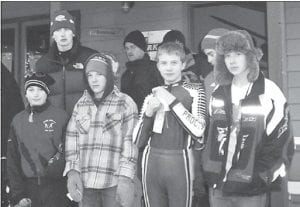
[99, 140]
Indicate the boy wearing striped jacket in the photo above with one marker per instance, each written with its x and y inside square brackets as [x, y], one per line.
[172, 121]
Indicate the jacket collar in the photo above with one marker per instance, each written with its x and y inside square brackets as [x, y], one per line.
[38, 109]
[53, 53]
[257, 89]
[137, 62]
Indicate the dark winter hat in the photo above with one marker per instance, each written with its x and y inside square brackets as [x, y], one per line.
[176, 36]
[39, 79]
[62, 19]
[209, 41]
[238, 41]
[136, 37]
[100, 63]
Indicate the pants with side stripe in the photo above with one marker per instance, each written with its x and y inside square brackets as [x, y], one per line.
[166, 178]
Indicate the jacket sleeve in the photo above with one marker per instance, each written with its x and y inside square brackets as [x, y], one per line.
[194, 122]
[14, 169]
[278, 144]
[129, 152]
[71, 145]
[143, 128]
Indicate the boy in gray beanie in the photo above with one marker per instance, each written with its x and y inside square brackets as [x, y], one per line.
[250, 142]
[208, 46]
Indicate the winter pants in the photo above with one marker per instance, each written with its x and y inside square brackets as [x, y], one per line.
[166, 178]
[47, 192]
[99, 197]
[217, 199]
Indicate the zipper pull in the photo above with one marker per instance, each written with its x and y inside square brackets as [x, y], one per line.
[30, 118]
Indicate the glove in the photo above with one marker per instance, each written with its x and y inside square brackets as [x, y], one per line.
[125, 192]
[25, 202]
[152, 106]
[75, 186]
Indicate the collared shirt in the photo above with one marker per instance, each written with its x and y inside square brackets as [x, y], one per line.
[99, 140]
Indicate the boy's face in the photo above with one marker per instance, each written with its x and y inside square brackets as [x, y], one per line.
[170, 67]
[97, 83]
[211, 56]
[63, 37]
[236, 63]
[36, 96]
[133, 52]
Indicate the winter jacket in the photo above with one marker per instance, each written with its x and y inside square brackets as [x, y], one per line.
[35, 148]
[67, 70]
[139, 79]
[186, 119]
[264, 141]
[99, 140]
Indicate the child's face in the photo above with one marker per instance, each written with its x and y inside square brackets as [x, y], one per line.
[97, 83]
[170, 67]
[211, 56]
[36, 96]
[236, 63]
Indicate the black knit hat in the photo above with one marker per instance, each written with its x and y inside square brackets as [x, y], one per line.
[136, 37]
[62, 19]
[39, 79]
[176, 36]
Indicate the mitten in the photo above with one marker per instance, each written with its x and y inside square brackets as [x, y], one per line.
[75, 186]
[125, 192]
[25, 202]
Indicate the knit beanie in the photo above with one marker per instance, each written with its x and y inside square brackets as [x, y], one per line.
[237, 41]
[62, 19]
[176, 36]
[209, 41]
[101, 64]
[136, 37]
[39, 79]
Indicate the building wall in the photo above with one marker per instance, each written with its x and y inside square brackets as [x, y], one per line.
[143, 16]
[292, 24]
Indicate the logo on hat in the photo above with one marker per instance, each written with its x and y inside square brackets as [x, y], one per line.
[60, 18]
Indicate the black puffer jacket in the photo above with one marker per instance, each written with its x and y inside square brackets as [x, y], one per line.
[67, 70]
[139, 79]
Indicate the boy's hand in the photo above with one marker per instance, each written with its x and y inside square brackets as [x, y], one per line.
[125, 192]
[75, 186]
[152, 106]
[163, 95]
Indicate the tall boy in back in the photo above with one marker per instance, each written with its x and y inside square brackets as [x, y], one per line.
[172, 121]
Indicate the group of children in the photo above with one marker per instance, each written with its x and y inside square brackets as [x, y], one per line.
[242, 133]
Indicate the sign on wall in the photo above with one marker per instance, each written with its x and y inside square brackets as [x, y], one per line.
[153, 39]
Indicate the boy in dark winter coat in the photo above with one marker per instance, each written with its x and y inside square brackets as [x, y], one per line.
[35, 148]
[250, 142]
[171, 122]
[65, 62]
